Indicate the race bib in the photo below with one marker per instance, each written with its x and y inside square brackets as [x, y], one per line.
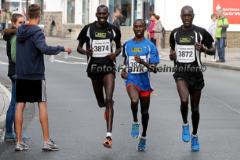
[185, 53]
[101, 48]
[135, 67]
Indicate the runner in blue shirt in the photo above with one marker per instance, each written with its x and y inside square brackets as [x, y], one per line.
[141, 57]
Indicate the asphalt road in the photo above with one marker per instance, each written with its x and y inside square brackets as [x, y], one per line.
[78, 126]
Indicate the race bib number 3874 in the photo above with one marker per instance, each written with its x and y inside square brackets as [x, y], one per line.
[185, 53]
[101, 48]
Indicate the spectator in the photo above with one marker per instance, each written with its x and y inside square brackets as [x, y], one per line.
[150, 30]
[221, 34]
[9, 35]
[158, 31]
[212, 30]
[30, 75]
[3, 19]
[117, 16]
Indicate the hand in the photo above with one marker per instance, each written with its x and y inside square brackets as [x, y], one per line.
[68, 50]
[138, 59]
[200, 47]
[172, 55]
[124, 74]
[112, 56]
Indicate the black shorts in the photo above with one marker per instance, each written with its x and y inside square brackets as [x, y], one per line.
[99, 76]
[195, 81]
[30, 91]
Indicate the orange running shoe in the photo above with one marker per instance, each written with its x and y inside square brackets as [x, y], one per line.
[108, 142]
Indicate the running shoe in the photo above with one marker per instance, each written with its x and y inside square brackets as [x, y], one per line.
[195, 144]
[142, 144]
[50, 145]
[108, 142]
[185, 133]
[135, 130]
[21, 146]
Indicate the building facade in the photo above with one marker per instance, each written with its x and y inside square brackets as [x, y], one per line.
[66, 17]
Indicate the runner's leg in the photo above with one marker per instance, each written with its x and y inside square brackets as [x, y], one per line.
[183, 92]
[145, 102]
[134, 97]
[109, 84]
[195, 96]
[98, 90]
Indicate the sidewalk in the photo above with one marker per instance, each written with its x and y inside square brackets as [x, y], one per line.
[232, 59]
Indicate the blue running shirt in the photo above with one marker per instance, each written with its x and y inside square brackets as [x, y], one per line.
[138, 75]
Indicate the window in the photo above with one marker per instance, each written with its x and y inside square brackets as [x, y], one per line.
[143, 9]
[85, 11]
[123, 9]
[70, 11]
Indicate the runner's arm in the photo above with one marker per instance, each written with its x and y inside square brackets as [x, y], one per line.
[87, 52]
[82, 38]
[150, 67]
[206, 44]
[123, 67]
[203, 48]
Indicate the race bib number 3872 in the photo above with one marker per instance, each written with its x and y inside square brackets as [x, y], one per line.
[101, 48]
[185, 53]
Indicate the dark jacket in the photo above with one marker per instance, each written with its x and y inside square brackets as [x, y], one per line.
[7, 35]
[31, 46]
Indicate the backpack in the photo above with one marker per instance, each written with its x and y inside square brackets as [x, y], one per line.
[13, 48]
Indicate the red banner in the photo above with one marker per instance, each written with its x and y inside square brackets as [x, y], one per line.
[231, 9]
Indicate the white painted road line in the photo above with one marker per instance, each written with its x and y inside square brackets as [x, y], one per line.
[3, 63]
[76, 57]
[60, 61]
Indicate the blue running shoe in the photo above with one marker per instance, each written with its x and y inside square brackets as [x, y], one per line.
[195, 144]
[142, 144]
[185, 133]
[135, 130]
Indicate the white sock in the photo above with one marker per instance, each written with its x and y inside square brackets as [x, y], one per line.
[194, 135]
[109, 134]
[185, 124]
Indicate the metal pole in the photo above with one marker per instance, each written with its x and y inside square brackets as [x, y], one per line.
[27, 9]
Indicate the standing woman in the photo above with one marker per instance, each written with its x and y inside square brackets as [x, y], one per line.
[9, 35]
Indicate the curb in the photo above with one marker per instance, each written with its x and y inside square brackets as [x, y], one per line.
[4, 109]
[222, 66]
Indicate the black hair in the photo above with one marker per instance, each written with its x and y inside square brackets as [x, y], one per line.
[187, 8]
[141, 20]
[102, 6]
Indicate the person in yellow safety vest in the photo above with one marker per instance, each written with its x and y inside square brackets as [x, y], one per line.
[221, 34]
